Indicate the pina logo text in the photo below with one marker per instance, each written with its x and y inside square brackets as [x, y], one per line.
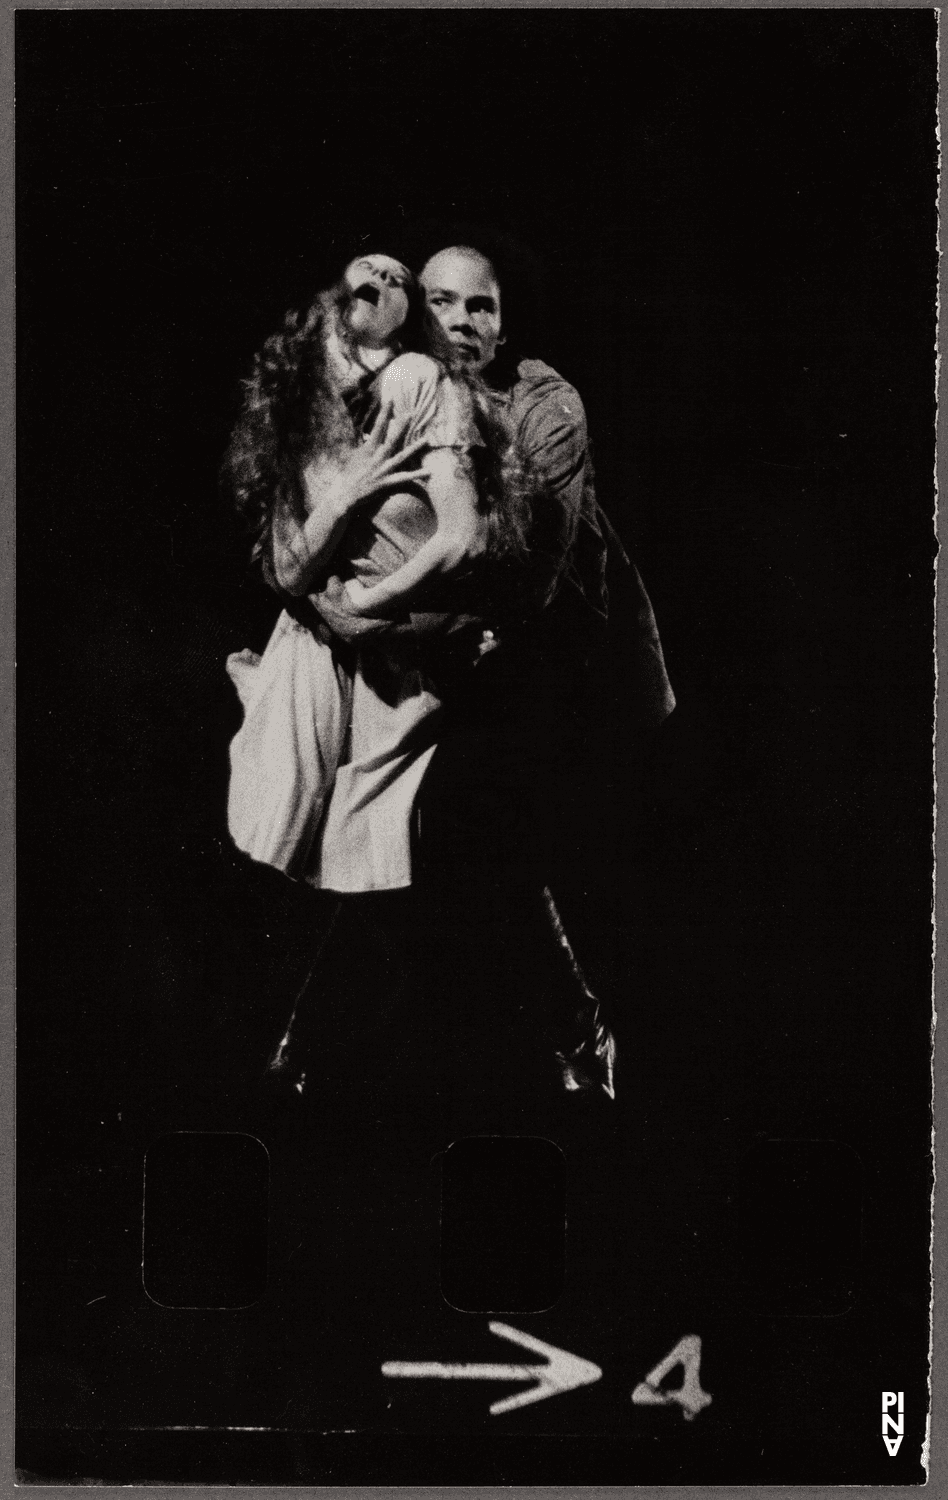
[894, 1424]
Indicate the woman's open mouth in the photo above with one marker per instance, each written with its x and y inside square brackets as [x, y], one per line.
[368, 292]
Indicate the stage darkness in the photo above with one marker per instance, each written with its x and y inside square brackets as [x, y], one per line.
[735, 218]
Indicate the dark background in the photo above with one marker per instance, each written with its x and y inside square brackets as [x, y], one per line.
[734, 216]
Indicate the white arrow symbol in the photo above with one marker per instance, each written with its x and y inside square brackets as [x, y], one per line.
[563, 1373]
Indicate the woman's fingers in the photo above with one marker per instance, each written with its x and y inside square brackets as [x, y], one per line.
[381, 424]
[403, 454]
[403, 476]
[380, 481]
[398, 425]
[388, 427]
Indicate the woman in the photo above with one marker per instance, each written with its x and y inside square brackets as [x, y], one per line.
[359, 452]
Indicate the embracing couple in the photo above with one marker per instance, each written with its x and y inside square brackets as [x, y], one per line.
[422, 500]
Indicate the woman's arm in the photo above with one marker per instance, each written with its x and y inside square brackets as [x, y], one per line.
[459, 537]
[333, 490]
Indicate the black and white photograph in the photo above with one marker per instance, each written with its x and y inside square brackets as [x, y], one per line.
[476, 604]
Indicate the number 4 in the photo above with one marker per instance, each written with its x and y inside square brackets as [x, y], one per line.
[689, 1396]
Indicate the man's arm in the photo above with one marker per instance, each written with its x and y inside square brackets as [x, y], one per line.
[570, 535]
[551, 432]
[334, 608]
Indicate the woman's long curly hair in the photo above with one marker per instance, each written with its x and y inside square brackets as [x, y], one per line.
[292, 412]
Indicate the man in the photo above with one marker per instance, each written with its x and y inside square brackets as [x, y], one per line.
[549, 423]
[508, 762]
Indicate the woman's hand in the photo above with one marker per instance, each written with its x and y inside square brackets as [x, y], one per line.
[376, 465]
[334, 489]
[458, 541]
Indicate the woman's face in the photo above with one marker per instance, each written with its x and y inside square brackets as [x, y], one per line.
[379, 304]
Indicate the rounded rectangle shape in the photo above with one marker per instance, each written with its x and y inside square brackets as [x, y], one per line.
[204, 1234]
[503, 1224]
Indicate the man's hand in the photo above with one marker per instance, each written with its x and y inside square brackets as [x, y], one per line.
[487, 642]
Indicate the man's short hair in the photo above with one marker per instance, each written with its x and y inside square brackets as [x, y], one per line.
[467, 252]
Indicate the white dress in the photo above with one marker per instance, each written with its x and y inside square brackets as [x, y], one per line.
[326, 766]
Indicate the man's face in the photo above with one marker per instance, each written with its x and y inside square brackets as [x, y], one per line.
[380, 302]
[465, 299]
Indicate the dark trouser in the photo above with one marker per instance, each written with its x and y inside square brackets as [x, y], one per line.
[506, 787]
[501, 815]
